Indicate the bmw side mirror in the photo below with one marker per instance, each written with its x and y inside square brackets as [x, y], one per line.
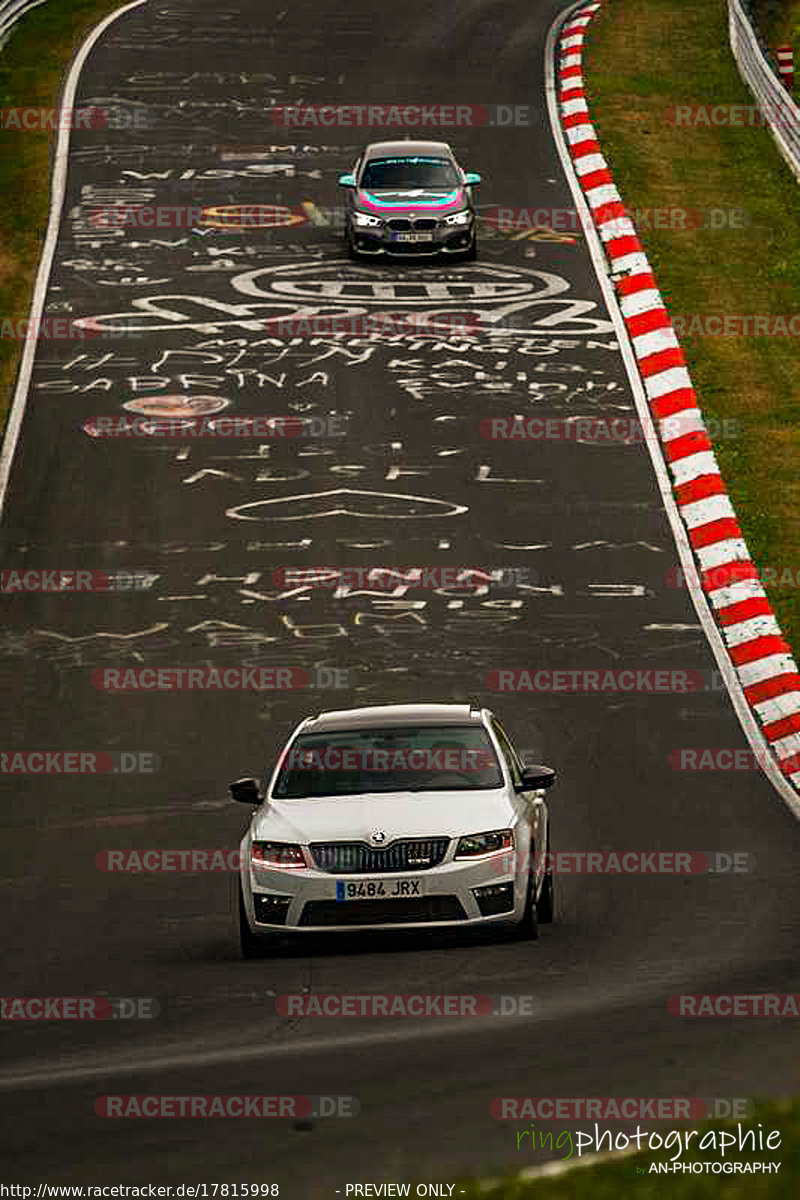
[472, 179]
[246, 792]
[348, 180]
[535, 777]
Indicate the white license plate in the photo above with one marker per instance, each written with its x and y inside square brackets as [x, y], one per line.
[377, 889]
[412, 237]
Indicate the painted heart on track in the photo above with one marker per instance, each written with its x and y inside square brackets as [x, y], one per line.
[345, 502]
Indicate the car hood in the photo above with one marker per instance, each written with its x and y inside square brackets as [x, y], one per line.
[419, 201]
[400, 814]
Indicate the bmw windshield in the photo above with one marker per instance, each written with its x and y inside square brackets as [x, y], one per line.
[407, 174]
[419, 758]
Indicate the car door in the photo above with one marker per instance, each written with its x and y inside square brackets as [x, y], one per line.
[535, 808]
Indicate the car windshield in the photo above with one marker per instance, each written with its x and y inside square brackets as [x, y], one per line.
[414, 758]
[401, 174]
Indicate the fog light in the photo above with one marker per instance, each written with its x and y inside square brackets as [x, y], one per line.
[496, 898]
[271, 909]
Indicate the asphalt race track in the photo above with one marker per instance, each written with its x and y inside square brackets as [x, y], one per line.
[203, 525]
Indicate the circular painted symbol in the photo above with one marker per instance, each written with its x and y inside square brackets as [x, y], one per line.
[176, 406]
[482, 287]
[250, 216]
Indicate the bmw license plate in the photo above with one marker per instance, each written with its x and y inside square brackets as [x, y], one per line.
[377, 889]
[412, 237]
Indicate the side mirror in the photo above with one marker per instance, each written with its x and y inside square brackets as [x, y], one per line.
[245, 791]
[472, 179]
[348, 180]
[535, 777]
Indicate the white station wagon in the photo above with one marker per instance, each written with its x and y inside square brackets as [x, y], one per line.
[401, 816]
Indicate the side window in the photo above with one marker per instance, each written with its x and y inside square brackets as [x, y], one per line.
[512, 762]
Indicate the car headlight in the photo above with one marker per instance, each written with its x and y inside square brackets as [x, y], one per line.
[283, 855]
[365, 219]
[476, 844]
[460, 218]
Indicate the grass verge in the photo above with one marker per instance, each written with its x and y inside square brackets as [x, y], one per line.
[639, 61]
[33, 67]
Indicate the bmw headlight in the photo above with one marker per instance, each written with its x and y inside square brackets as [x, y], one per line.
[365, 219]
[476, 844]
[460, 218]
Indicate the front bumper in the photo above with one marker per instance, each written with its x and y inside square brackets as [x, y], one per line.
[457, 894]
[445, 239]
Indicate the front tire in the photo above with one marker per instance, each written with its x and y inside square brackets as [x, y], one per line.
[472, 253]
[352, 253]
[528, 928]
[252, 945]
[545, 906]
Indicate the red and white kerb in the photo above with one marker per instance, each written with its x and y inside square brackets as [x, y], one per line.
[756, 647]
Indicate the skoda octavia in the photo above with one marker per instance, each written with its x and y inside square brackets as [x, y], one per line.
[409, 198]
[395, 817]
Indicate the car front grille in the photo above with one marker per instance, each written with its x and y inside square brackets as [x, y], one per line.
[403, 224]
[357, 858]
[382, 912]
